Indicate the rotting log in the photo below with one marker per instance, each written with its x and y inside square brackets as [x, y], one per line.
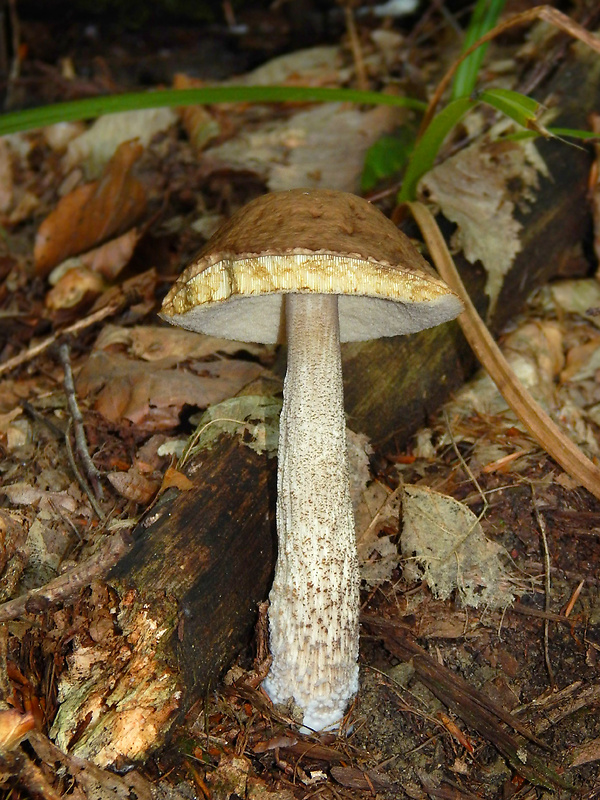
[184, 598]
[183, 602]
[393, 385]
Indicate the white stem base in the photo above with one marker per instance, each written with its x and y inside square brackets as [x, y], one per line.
[314, 602]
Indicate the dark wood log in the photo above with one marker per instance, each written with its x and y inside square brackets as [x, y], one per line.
[183, 602]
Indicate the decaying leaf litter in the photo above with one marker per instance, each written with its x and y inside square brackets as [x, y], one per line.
[510, 660]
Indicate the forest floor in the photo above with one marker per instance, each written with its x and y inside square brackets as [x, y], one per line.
[480, 662]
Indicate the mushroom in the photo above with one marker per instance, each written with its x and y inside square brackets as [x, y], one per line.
[347, 274]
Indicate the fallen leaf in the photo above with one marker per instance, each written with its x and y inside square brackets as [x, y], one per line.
[177, 479]
[475, 189]
[447, 542]
[595, 189]
[23, 494]
[77, 288]
[92, 213]
[583, 361]
[6, 176]
[61, 134]
[113, 256]
[134, 486]
[14, 726]
[304, 149]
[312, 66]
[152, 396]
[151, 343]
[584, 753]
[255, 418]
[200, 125]
[579, 297]
[96, 147]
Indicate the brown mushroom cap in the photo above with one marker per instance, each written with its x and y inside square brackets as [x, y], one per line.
[319, 241]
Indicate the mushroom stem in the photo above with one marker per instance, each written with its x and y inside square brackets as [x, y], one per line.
[314, 602]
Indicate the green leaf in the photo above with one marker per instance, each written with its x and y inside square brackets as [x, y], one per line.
[558, 133]
[483, 19]
[386, 157]
[522, 109]
[112, 104]
[426, 150]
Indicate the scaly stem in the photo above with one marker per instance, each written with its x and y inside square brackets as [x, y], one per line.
[314, 602]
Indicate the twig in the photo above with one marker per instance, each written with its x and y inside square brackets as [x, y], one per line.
[547, 586]
[530, 611]
[41, 347]
[5, 689]
[70, 584]
[80, 440]
[574, 597]
[15, 67]
[64, 436]
[466, 468]
[83, 485]
[539, 424]
[359, 63]
[31, 777]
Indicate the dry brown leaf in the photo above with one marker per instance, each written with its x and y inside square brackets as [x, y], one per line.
[77, 288]
[23, 494]
[110, 258]
[169, 345]
[532, 415]
[152, 396]
[304, 149]
[6, 176]
[200, 125]
[92, 213]
[26, 205]
[313, 66]
[589, 751]
[134, 486]
[177, 479]
[94, 148]
[14, 726]
[473, 190]
[580, 297]
[583, 361]
[446, 539]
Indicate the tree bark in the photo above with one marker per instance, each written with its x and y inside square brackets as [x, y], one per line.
[183, 602]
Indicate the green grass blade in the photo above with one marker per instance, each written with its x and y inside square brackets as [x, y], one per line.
[483, 19]
[519, 107]
[425, 152]
[112, 104]
[522, 109]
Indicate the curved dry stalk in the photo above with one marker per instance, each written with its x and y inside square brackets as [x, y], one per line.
[545, 12]
[539, 424]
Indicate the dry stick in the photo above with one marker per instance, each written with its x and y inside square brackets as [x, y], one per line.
[64, 436]
[41, 347]
[547, 587]
[574, 597]
[80, 439]
[357, 55]
[70, 584]
[539, 424]
[546, 13]
[83, 484]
